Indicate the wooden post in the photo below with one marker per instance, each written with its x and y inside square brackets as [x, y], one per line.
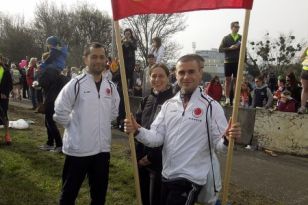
[235, 107]
[127, 109]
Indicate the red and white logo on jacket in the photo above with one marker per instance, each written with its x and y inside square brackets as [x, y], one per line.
[108, 91]
[197, 112]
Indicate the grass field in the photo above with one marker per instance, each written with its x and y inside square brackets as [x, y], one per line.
[29, 176]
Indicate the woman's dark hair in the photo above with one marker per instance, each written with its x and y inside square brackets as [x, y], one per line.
[159, 65]
[158, 42]
[292, 79]
[213, 79]
[130, 31]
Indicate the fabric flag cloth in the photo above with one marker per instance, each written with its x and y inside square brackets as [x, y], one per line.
[125, 8]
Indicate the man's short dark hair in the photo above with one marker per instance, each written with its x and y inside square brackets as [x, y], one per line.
[87, 49]
[192, 57]
[233, 23]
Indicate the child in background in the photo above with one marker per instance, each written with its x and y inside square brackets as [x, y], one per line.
[56, 56]
[245, 97]
[286, 103]
[281, 88]
[262, 96]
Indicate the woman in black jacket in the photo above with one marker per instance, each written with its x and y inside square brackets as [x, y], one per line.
[129, 45]
[6, 86]
[150, 159]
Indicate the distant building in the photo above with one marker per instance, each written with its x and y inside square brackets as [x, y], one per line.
[214, 63]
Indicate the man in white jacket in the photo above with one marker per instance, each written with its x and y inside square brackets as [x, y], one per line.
[85, 107]
[183, 127]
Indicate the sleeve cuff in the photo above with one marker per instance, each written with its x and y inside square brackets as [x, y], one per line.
[226, 141]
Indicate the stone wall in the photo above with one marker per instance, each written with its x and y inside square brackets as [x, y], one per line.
[282, 132]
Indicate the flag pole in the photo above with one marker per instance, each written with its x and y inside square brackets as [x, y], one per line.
[127, 109]
[235, 107]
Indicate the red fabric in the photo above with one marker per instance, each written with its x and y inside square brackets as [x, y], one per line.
[289, 106]
[125, 8]
[30, 76]
[214, 90]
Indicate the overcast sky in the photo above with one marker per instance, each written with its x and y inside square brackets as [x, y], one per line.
[207, 28]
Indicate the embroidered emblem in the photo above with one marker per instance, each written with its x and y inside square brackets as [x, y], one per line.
[197, 112]
[108, 91]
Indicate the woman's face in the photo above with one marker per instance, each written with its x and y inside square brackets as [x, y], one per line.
[159, 79]
[127, 34]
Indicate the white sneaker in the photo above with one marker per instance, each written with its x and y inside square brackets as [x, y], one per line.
[46, 147]
[248, 147]
[301, 110]
[57, 150]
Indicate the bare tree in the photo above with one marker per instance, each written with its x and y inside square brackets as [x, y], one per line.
[77, 27]
[274, 53]
[16, 39]
[146, 27]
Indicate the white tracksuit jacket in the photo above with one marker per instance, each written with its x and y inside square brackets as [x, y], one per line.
[183, 135]
[87, 118]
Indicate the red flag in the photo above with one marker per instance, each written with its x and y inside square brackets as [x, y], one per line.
[125, 8]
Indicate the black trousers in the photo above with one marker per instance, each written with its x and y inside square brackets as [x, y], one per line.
[179, 192]
[75, 169]
[150, 186]
[53, 134]
[4, 106]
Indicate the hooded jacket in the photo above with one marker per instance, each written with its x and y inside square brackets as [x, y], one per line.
[262, 97]
[86, 115]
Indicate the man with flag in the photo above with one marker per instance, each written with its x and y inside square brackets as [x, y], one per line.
[187, 126]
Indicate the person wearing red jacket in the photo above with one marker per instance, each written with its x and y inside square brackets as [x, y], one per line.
[214, 89]
[286, 103]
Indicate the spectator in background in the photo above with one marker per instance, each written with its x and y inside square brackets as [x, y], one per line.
[281, 87]
[30, 78]
[272, 82]
[214, 89]
[6, 87]
[157, 50]
[75, 71]
[230, 45]
[172, 77]
[16, 78]
[56, 55]
[137, 81]
[129, 45]
[292, 85]
[150, 159]
[23, 66]
[245, 97]
[262, 95]
[304, 81]
[286, 103]
[146, 86]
